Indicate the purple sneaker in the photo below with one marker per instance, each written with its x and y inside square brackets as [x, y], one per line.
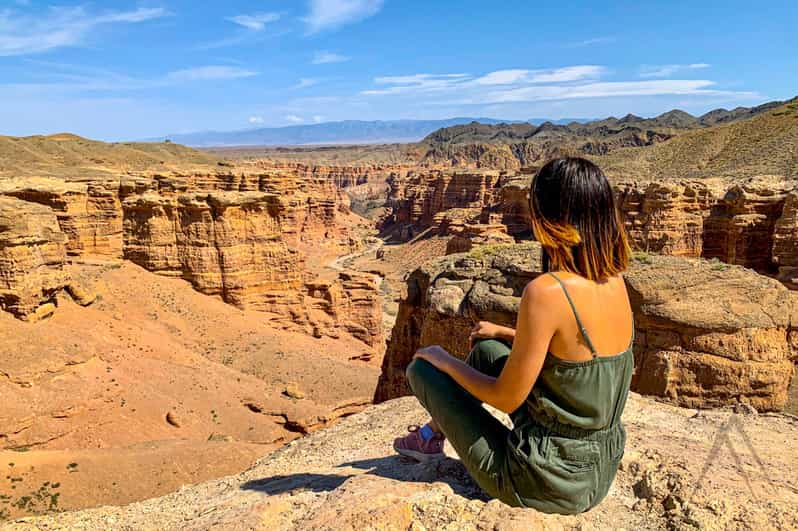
[413, 445]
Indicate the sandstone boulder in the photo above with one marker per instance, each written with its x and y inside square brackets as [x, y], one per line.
[707, 333]
[445, 297]
[474, 234]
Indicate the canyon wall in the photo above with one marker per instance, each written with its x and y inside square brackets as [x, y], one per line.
[32, 257]
[749, 223]
[785, 242]
[706, 333]
[417, 198]
[236, 234]
[228, 244]
[342, 177]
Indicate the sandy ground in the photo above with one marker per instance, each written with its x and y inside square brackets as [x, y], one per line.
[155, 386]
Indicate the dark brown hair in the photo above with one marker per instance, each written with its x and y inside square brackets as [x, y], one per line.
[575, 219]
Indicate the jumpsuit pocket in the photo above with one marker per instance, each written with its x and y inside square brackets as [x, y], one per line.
[574, 455]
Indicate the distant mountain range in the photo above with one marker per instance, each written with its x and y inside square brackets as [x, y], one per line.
[458, 130]
[657, 128]
[344, 132]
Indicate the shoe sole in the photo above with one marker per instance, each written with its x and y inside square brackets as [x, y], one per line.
[418, 456]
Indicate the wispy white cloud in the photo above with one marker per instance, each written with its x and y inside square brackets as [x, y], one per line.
[59, 27]
[510, 77]
[317, 119]
[557, 75]
[699, 87]
[324, 57]
[416, 83]
[208, 73]
[589, 42]
[63, 78]
[305, 82]
[669, 70]
[255, 22]
[331, 14]
[502, 77]
[255, 120]
[521, 85]
[294, 119]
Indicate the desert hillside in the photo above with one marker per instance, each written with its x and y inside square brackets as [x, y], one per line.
[65, 154]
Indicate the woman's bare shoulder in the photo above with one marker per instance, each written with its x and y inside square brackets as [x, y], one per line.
[540, 288]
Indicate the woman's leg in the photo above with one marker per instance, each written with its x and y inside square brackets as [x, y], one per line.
[477, 437]
[488, 356]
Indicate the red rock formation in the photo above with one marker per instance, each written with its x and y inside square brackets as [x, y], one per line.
[415, 199]
[740, 227]
[351, 304]
[472, 235]
[235, 233]
[32, 257]
[707, 334]
[666, 217]
[88, 213]
[340, 176]
[785, 242]
[228, 244]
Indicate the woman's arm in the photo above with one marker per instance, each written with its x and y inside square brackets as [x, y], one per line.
[535, 327]
[488, 330]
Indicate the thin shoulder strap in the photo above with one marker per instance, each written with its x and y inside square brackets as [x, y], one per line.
[576, 315]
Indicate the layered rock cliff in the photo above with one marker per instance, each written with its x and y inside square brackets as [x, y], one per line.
[707, 334]
[346, 176]
[666, 217]
[785, 242]
[227, 244]
[242, 235]
[745, 223]
[740, 227]
[32, 257]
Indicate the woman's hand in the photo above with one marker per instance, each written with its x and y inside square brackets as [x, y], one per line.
[486, 330]
[435, 354]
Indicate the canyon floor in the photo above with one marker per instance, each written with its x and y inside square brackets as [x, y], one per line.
[155, 386]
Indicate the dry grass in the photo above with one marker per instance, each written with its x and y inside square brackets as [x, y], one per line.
[764, 145]
[68, 155]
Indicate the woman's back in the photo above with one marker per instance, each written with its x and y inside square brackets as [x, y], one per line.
[603, 309]
[585, 378]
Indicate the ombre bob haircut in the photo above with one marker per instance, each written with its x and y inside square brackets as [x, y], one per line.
[575, 219]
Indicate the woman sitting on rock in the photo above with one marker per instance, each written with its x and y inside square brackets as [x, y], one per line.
[562, 374]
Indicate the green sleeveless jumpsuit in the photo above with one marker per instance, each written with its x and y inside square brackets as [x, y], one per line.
[567, 439]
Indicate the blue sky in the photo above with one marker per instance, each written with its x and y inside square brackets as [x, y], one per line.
[130, 70]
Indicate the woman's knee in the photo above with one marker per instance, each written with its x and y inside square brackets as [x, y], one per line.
[418, 372]
[486, 352]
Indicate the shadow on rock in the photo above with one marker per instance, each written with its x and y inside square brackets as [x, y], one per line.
[446, 470]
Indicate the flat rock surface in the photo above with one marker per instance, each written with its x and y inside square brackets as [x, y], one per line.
[683, 469]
